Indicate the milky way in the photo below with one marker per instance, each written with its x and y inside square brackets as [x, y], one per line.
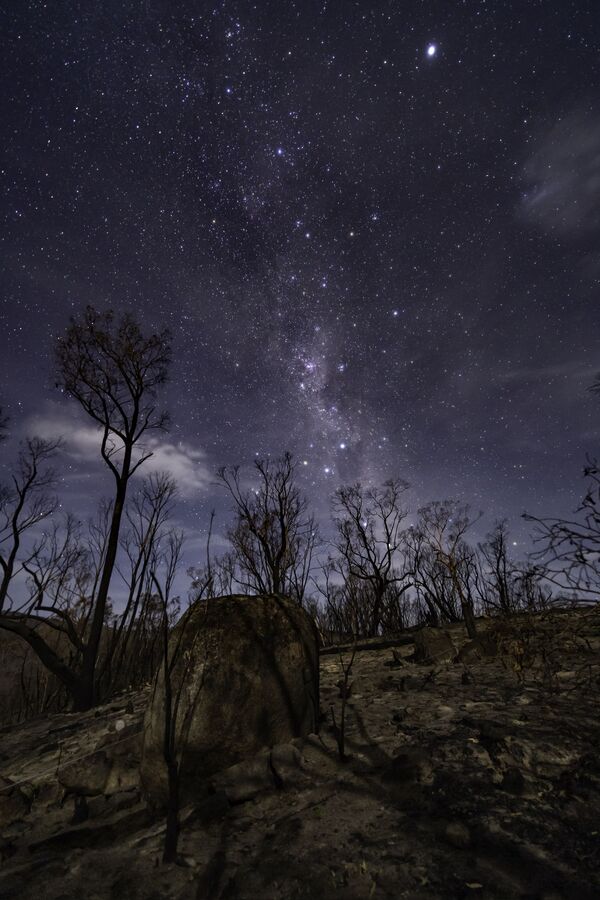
[372, 228]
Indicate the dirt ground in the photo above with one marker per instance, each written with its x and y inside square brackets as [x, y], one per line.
[471, 778]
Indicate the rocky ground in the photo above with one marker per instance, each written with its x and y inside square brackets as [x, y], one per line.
[470, 777]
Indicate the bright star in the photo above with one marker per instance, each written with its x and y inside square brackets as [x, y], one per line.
[431, 50]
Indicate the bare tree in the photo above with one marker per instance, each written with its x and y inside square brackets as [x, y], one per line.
[163, 571]
[569, 548]
[369, 537]
[42, 618]
[129, 649]
[433, 585]
[345, 688]
[24, 503]
[3, 424]
[499, 571]
[273, 536]
[113, 371]
[442, 525]
[64, 570]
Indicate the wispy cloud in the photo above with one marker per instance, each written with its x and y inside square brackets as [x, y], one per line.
[570, 370]
[564, 175]
[186, 463]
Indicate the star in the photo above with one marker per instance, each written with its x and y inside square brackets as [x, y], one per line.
[431, 50]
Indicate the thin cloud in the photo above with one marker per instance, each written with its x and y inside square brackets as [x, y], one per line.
[564, 178]
[186, 463]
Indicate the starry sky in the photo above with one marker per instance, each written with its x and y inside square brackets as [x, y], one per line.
[372, 227]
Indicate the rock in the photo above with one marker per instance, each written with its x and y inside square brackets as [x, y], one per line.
[278, 768]
[86, 777]
[409, 766]
[398, 716]
[211, 809]
[246, 779]
[396, 662]
[123, 750]
[247, 677]
[95, 834]
[433, 645]
[81, 812]
[122, 778]
[513, 781]
[484, 646]
[286, 764]
[107, 805]
[14, 805]
[458, 835]
[410, 683]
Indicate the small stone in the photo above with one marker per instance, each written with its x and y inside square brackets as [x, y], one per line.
[458, 835]
[286, 764]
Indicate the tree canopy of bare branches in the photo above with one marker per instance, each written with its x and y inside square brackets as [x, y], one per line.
[369, 524]
[24, 503]
[444, 556]
[273, 536]
[569, 548]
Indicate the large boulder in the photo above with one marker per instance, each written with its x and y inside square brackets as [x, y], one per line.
[245, 677]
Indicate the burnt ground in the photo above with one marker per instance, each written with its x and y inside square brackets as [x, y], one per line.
[478, 778]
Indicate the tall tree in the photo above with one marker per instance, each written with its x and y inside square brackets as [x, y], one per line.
[114, 371]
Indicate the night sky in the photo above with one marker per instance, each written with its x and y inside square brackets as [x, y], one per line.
[372, 227]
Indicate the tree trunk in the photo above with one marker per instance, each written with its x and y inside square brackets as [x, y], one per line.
[465, 605]
[86, 696]
[46, 655]
[376, 615]
[172, 832]
[467, 611]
